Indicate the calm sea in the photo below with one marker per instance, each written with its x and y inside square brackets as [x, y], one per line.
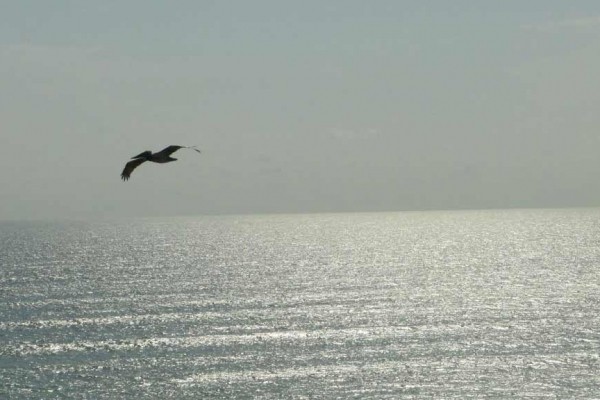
[478, 304]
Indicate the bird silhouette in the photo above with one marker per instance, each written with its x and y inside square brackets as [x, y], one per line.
[161, 157]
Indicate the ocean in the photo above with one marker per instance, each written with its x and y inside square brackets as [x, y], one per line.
[448, 304]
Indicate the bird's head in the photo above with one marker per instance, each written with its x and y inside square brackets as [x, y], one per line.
[145, 154]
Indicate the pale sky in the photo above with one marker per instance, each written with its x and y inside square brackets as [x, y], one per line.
[298, 106]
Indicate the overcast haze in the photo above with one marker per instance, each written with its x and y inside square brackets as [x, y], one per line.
[298, 106]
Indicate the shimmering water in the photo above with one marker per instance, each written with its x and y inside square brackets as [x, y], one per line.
[459, 305]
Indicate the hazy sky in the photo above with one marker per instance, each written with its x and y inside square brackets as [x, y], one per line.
[298, 106]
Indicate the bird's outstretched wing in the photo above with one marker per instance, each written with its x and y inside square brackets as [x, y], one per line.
[130, 166]
[167, 151]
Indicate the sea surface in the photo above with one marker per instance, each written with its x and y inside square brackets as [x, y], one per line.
[453, 305]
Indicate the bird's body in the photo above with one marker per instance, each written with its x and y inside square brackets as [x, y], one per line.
[161, 157]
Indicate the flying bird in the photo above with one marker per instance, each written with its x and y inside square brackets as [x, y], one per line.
[161, 157]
